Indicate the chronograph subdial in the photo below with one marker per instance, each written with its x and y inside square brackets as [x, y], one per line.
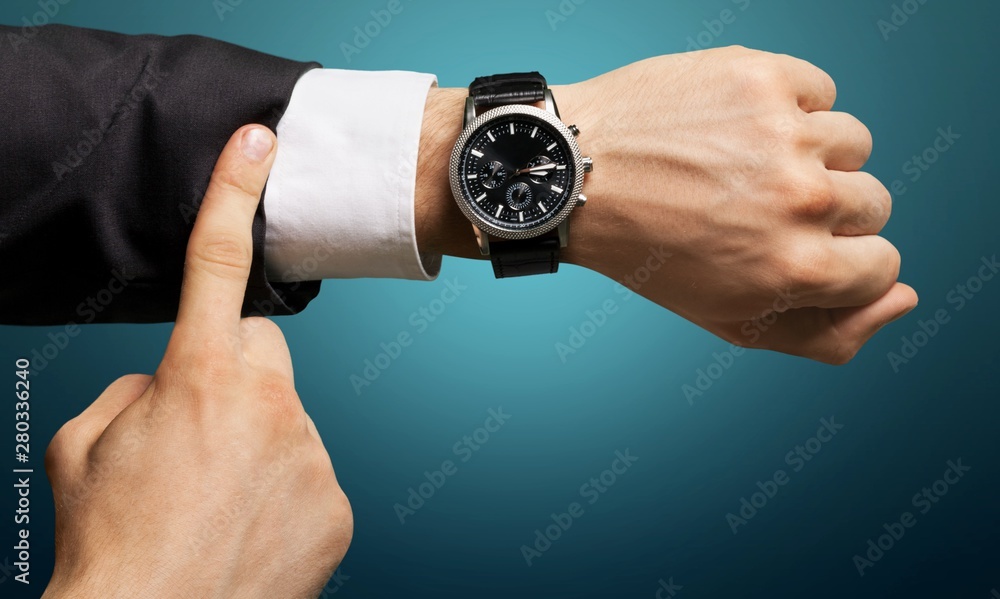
[519, 196]
[492, 175]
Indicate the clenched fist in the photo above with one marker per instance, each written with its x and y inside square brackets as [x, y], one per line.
[732, 163]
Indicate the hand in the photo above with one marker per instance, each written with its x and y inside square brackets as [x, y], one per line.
[207, 479]
[724, 189]
[730, 162]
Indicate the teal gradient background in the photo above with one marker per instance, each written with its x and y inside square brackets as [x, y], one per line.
[495, 346]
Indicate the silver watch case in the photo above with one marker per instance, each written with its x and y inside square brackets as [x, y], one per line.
[484, 228]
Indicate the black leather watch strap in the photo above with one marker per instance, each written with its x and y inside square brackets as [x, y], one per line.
[512, 88]
[517, 258]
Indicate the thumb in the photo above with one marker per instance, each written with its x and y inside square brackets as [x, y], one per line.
[831, 335]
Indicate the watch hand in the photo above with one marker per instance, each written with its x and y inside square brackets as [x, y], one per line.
[535, 169]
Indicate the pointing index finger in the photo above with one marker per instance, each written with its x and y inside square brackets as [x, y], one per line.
[220, 248]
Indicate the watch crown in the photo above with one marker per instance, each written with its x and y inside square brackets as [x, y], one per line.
[574, 130]
[588, 164]
[581, 200]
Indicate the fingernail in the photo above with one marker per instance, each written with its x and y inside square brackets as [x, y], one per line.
[257, 144]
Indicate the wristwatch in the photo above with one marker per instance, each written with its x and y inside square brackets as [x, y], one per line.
[517, 172]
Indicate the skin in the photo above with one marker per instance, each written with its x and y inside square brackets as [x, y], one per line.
[726, 170]
[206, 479]
[732, 162]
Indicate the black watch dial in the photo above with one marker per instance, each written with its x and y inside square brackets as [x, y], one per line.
[516, 172]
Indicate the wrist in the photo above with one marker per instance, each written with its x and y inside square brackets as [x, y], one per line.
[591, 225]
[442, 229]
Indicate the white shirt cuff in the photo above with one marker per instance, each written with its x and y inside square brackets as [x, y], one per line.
[340, 198]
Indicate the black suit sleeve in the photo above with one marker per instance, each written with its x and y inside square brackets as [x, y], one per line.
[107, 143]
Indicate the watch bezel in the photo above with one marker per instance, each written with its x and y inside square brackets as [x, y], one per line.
[484, 120]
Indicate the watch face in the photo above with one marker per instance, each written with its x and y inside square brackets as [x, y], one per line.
[514, 171]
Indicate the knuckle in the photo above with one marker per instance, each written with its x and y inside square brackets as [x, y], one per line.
[873, 208]
[281, 404]
[759, 75]
[866, 141]
[789, 127]
[805, 267]
[781, 130]
[878, 211]
[814, 197]
[829, 84]
[894, 261]
[736, 51]
[222, 254]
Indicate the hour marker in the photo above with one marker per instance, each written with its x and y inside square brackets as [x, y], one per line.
[561, 167]
[499, 210]
[481, 198]
[489, 134]
[557, 189]
[512, 128]
[551, 146]
[542, 207]
[471, 177]
[520, 215]
[534, 131]
[477, 153]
